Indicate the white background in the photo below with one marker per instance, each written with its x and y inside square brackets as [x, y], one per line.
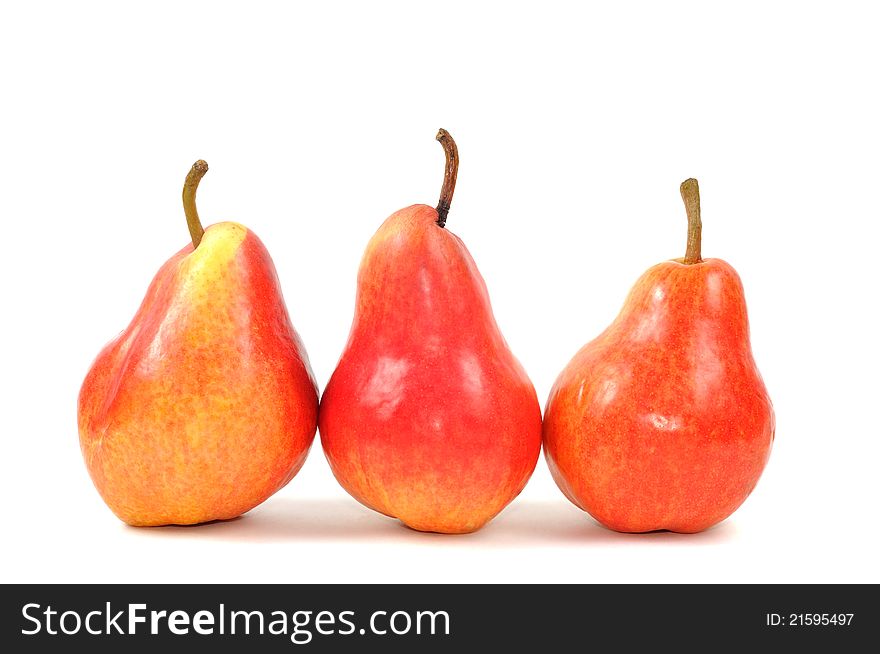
[575, 122]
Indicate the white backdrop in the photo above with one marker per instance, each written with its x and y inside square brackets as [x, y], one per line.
[575, 122]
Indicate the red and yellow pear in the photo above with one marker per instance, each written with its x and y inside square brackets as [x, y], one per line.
[205, 405]
[663, 421]
[428, 416]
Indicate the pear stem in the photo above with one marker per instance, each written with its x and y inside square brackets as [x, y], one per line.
[449, 176]
[690, 193]
[190, 186]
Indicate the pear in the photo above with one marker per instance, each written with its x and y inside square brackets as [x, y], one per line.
[428, 416]
[663, 421]
[206, 404]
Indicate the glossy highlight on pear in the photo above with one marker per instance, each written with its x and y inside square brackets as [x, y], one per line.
[663, 421]
[205, 405]
[428, 417]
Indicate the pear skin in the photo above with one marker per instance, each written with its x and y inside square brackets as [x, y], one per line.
[428, 417]
[206, 404]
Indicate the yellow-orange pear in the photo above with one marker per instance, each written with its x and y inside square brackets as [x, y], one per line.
[205, 405]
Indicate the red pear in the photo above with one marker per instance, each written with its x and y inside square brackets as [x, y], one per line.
[428, 417]
[663, 421]
[205, 405]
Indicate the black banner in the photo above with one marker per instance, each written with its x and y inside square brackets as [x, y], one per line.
[435, 618]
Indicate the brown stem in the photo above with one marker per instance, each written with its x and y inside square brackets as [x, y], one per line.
[690, 193]
[449, 176]
[198, 170]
